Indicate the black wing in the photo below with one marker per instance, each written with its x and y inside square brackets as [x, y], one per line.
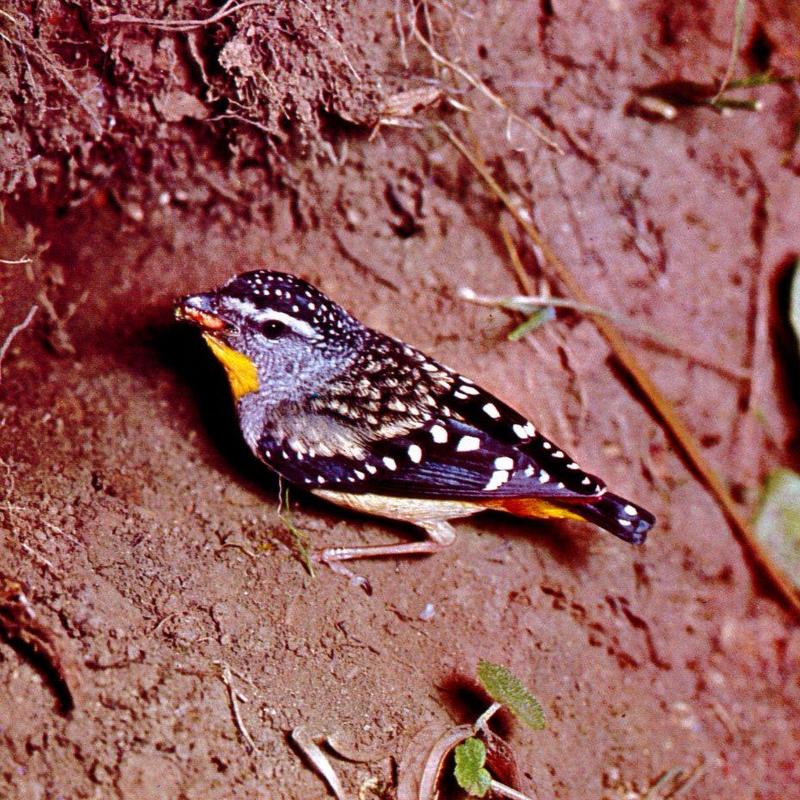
[446, 458]
[410, 427]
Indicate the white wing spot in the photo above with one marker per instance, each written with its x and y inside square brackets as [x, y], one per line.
[460, 395]
[630, 510]
[586, 481]
[625, 522]
[467, 443]
[320, 479]
[360, 475]
[390, 463]
[499, 477]
[371, 469]
[558, 454]
[521, 431]
[468, 389]
[529, 426]
[415, 453]
[491, 410]
[439, 434]
[544, 477]
[547, 445]
[572, 465]
[504, 463]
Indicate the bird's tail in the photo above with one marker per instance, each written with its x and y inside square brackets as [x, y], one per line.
[618, 516]
[610, 511]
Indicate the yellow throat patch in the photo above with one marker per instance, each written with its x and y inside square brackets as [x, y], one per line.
[241, 371]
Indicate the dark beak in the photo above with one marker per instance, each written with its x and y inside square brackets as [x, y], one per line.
[200, 310]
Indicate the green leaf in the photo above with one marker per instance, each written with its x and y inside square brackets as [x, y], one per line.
[777, 521]
[535, 320]
[505, 688]
[470, 773]
[794, 303]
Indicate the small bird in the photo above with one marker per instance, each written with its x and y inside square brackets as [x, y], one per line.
[370, 423]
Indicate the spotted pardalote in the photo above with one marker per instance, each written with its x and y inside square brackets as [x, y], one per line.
[369, 422]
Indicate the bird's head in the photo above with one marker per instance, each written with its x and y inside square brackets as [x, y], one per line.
[274, 334]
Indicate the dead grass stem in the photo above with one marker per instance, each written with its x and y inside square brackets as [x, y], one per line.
[226, 675]
[483, 88]
[525, 304]
[13, 333]
[181, 25]
[738, 25]
[660, 405]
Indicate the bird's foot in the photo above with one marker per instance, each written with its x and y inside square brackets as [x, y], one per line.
[321, 557]
[441, 533]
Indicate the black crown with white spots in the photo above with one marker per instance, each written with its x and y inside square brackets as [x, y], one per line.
[279, 291]
[398, 423]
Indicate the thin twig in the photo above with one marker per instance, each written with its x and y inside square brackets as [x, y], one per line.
[18, 328]
[26, 260]
[182, 25]
[507, 791]
[670, 776]
[738, 25]
[516, 262]
[312, 751]
[50, 66]
[699, 772]
[484, 89]
[234, 696]
[401, 34]
[39, 557]
[528, 304]
[663, 408]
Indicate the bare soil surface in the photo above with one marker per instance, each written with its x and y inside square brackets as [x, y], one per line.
[140, 163]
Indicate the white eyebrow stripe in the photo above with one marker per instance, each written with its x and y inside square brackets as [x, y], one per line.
[297, 325]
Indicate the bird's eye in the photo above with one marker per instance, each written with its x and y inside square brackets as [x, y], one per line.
[273, 328]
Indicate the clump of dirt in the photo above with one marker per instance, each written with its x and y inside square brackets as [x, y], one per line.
[135, 95]
[144, 159]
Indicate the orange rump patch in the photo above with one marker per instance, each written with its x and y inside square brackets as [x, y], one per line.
[531, 507]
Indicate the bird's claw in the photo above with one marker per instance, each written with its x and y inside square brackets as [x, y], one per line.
[326, 557]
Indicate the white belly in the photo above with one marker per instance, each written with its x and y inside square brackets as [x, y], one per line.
[412, 510]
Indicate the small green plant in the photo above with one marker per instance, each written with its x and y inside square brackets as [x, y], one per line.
[777, 521]
[470, 772]
[505, 688]
[534, 321]
[470, 756]
[299, 538]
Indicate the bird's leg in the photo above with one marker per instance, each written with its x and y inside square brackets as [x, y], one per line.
[441, 535]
